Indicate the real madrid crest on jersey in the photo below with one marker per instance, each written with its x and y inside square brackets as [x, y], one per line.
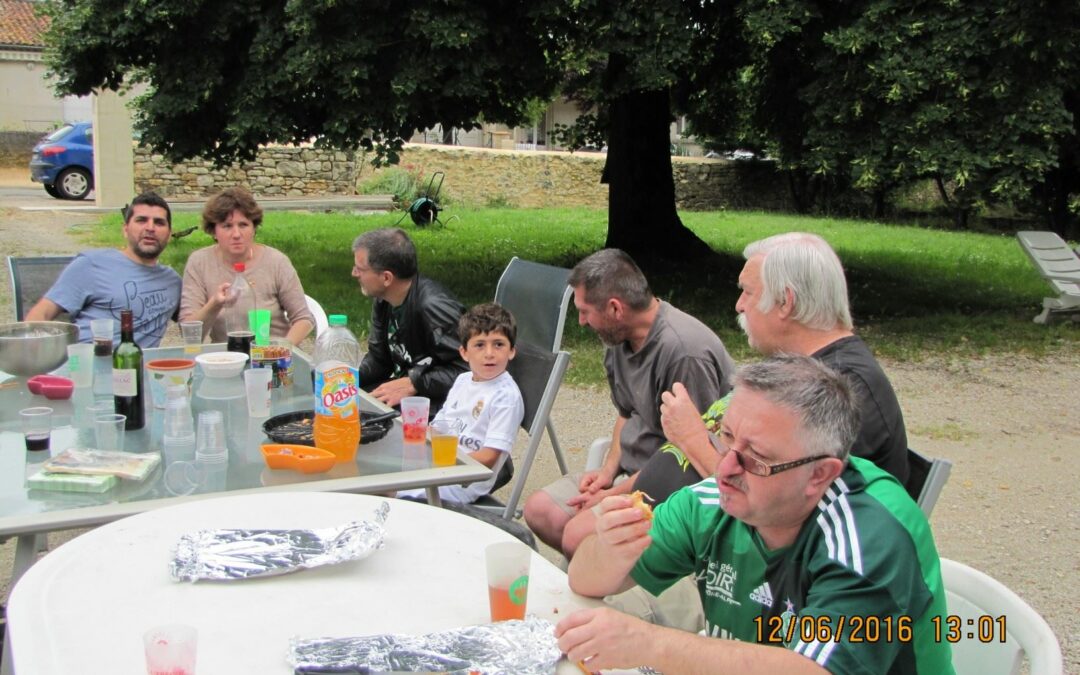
[477, 409]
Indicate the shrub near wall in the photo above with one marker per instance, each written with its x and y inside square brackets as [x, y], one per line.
[275, 172]
[524, 179]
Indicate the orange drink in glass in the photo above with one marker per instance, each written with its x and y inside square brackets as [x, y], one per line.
[508, 579]
[444, 442]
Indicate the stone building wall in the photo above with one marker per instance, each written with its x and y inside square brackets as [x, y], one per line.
[275, 172]
[17, 146]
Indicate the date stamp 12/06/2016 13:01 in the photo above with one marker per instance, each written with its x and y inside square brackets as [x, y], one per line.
[854, 628]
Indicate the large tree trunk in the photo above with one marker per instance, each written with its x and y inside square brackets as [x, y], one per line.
[641, 199]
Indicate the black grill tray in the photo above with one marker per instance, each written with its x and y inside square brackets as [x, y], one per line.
[297, 427]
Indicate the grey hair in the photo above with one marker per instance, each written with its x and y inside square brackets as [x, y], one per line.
[389, 249]
[806, 264]
[822, 399]
[612, 273]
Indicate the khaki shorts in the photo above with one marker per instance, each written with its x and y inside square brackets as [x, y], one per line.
[677, 607]
[566, 488]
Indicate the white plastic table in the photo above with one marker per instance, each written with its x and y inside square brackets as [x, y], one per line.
[383, 466]
[84, 607]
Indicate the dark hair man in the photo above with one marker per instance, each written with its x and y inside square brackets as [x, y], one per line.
[100, 283]
[413, 348]
[650, 347]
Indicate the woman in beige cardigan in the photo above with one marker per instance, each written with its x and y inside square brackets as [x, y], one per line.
[232, 218]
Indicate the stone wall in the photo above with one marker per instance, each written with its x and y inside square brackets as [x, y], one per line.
[481, 177]
[711, 184]
[17, 146]
[474, 177]
[275, 172]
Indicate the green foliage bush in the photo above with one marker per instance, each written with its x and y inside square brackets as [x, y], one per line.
[406, 182]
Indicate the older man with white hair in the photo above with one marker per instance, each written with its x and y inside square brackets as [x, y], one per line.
[795, 300]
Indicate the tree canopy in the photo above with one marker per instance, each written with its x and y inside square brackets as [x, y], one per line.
[867, 95]
[227, 76]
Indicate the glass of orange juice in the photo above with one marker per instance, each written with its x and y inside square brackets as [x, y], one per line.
[444, 441]
[508, 579]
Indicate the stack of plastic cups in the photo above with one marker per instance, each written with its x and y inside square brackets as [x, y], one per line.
[178, 441]
[211, 454]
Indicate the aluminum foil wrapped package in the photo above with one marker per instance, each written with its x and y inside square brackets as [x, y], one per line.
[505, 648]
[241, 554]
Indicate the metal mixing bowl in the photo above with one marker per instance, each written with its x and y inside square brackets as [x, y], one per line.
[29, 348]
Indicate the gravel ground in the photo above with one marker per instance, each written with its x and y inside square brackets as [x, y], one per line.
[1017, 522]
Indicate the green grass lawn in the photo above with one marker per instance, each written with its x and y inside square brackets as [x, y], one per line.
[915, 292]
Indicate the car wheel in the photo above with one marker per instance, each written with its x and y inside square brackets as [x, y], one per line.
[74, 183]
[53, 192]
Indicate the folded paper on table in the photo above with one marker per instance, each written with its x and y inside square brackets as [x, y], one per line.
[129, 465]
[68, 482]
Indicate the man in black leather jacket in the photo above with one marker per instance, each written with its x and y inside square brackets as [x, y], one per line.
[413, 345]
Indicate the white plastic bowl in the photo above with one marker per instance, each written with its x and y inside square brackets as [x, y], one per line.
[222, 364]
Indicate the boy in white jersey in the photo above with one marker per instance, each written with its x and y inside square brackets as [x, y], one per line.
[485, 400]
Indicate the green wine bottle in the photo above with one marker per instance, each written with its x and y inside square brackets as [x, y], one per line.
[128, 392]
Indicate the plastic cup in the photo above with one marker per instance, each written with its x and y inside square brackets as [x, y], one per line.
[81, 364]
[170, 650]
[508, 579]
[444, 441]
[103, 332]
[210, 433]
[259, 324]
[257, 384]
[414, 418]
[36, 427]
[165, 373]
[109, 431]
[191, 331]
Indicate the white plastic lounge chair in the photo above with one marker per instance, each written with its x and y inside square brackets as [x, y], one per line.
[1059, 265]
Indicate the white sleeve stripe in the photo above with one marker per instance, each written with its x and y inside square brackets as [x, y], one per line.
[853, 534]
[808, 649]
[830, 545]
[838, 531]
[823, 657]
[844, 532]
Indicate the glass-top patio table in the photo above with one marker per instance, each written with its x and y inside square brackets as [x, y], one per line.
[382, 466]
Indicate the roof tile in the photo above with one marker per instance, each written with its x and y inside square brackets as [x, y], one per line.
[20, 25]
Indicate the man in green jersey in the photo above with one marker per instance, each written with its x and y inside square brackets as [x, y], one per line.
[806, 560]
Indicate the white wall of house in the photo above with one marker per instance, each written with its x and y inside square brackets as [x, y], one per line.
[27, 101]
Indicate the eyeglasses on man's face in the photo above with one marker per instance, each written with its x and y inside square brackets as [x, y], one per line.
[754, 465]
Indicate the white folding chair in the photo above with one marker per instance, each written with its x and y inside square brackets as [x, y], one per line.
[980, 599]
[321, 322]
[538, 297]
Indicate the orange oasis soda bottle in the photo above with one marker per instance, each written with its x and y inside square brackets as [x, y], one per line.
[337, 390]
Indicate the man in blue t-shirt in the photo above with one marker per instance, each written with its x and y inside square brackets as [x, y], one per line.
[806, 560]
[100, 283]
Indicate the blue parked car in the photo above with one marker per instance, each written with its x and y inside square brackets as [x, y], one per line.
[64, 161]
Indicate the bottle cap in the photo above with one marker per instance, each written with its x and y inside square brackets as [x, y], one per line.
[239, 267]
[338, 320]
